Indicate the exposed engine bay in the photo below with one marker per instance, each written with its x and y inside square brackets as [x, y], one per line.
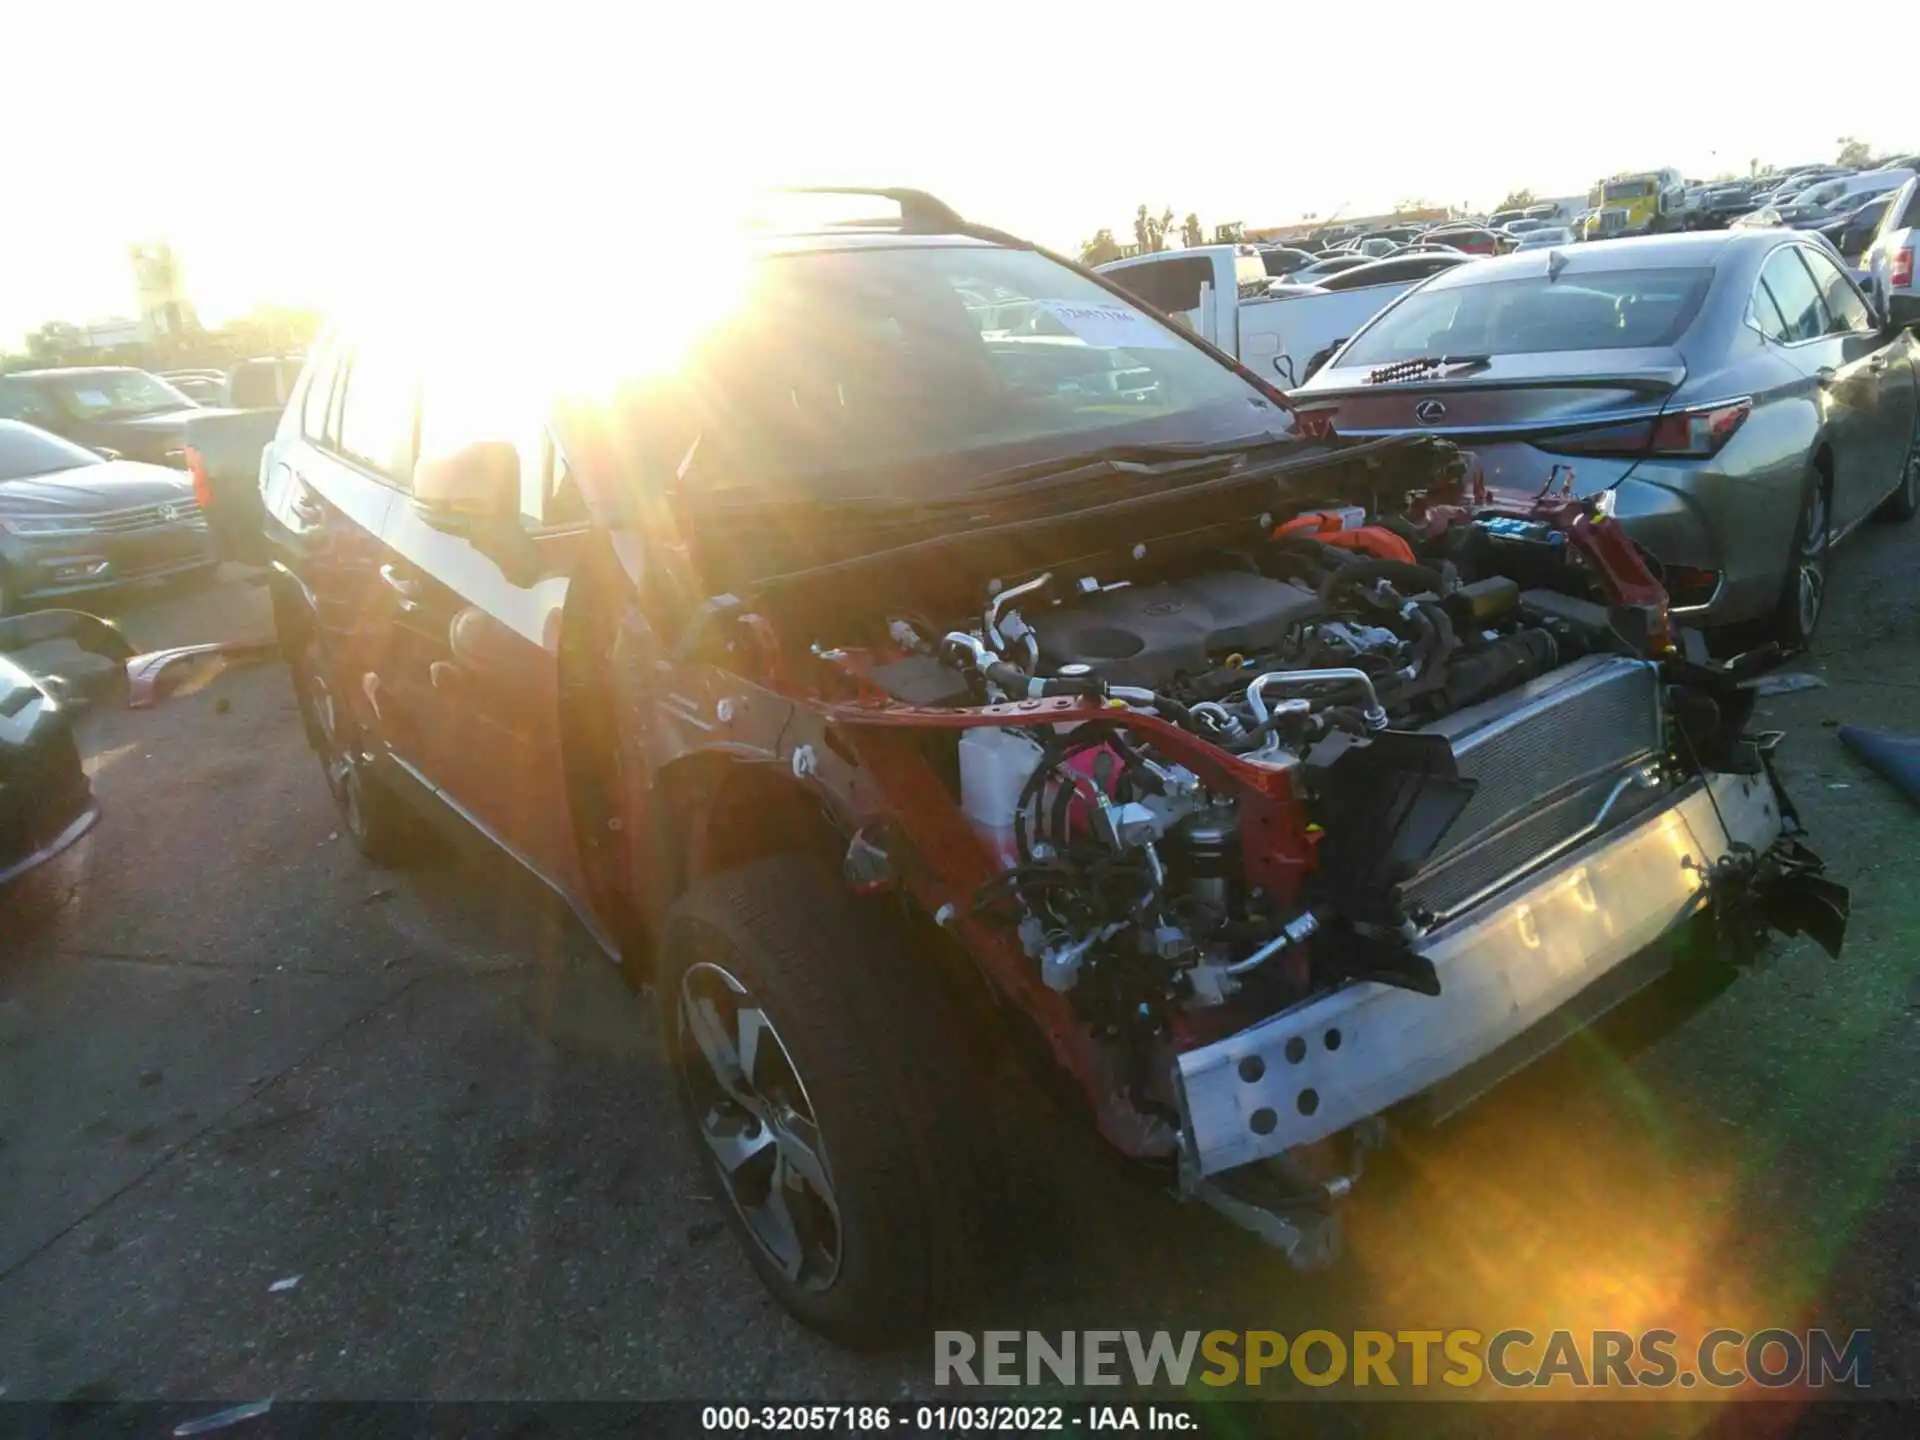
[1411, 710]
[1323, 656]
[1180, 765]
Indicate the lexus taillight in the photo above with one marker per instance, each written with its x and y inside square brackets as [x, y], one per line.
[197, 468]
[1690, 585]
[1699, 433]
[1314, 424]
[1694, 434]
[1902, 267]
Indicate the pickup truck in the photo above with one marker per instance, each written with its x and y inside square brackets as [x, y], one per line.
[222, 453]
[1220, 293]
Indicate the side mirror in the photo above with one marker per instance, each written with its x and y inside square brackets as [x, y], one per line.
[474, 492]
[472, 488]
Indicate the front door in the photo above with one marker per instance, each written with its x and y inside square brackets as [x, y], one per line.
[474, 674]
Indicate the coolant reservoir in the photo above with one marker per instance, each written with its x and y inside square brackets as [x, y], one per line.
[995, 765]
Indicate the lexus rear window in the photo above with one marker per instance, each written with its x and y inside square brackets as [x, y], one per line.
[1604, 310]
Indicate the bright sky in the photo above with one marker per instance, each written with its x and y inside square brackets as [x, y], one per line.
[282, 148]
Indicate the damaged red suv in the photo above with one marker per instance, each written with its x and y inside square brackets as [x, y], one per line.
[948, 651]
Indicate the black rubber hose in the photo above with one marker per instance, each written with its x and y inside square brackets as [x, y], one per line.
[1419, 577]
[1173, 710]
[1426, 643]
[1063, 796]
[1344, 717]
[1015, 681]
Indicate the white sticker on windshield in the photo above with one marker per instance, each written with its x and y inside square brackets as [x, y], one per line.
[1110, 326]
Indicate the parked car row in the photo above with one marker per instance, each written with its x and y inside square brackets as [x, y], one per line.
[188, 442]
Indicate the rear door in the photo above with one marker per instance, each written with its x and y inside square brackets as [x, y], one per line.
[474, 675]
[354, 459]
[1890, 410]
[1838, 362]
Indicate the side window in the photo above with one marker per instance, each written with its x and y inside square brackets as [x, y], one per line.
[1849, 311]
[1171, 285]
[1793, 290]
[314, 404]
[379, 412]
[1766, 315]
[20, 402]
[1904, 213]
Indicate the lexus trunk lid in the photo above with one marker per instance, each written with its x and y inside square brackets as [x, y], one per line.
[1498, 397]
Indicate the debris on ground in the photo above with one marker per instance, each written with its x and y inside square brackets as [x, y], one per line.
[287, 1284]
[221, 1419]
[1786, 682]
[1892, 757]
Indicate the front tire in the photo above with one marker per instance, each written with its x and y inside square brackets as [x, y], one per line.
[818, 1074]
[1803, 595]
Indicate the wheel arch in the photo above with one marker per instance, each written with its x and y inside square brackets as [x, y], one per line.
[644, 836]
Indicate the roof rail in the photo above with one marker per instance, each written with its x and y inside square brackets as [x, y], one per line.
[919, 211]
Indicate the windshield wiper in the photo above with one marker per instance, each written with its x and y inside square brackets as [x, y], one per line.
[1425, 366]
[1148, 461]
[1164, 461]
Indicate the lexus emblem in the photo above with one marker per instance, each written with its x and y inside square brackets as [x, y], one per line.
[169, 512]
[1429, 412]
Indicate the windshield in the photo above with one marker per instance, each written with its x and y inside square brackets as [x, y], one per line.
[1628, 190]
[1606, 310]
[113, 394]
[26, 452]
[859, 371]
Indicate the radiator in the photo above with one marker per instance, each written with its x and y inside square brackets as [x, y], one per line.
[1551, 759]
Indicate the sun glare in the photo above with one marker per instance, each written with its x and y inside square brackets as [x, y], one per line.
[595, 307]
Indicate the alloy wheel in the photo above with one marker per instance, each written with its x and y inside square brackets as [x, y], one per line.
[753, 1114]
[336, 755]
[1810, 566]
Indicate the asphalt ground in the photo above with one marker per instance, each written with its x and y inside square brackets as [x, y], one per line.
[233, 1056]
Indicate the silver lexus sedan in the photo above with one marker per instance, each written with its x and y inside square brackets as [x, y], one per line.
[1733, 390]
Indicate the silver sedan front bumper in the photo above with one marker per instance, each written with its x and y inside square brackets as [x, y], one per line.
[1504, 968]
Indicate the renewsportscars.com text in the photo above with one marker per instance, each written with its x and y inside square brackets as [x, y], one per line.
[1509, 1359]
